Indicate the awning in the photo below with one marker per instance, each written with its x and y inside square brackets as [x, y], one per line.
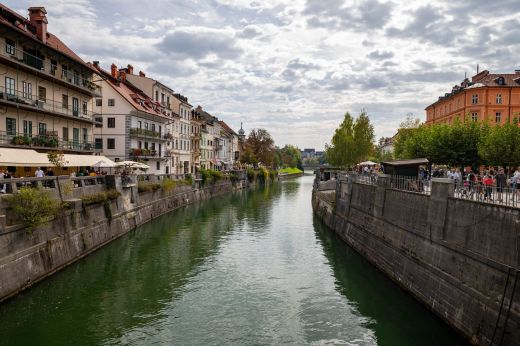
[22, 158]
[72, 160]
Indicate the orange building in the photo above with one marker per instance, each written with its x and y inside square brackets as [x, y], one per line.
[487, 97]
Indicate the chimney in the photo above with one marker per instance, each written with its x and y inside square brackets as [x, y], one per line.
[130, 69]
[122, 74]
[95, 63]
[141, 74]
[517, 71]
[38, 18]
[113, 70]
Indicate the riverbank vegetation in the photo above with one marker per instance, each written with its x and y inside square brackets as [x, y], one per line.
[352, 142]
[290, 171]
[460, 144]
[33, 206]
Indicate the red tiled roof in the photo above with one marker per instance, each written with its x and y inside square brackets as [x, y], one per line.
[53, 41]
[226, 127]
[132, 94]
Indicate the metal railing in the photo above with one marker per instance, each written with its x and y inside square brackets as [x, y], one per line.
[26, 99]
[48, 140]
[412, 184]
[49, 68]
[478, 192]
[138, 132]
[370, 179]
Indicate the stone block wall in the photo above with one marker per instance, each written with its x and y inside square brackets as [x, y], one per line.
[458, 257]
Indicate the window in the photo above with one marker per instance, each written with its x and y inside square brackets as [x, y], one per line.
[111, 123]
[158, 165]
[111, 143]
[65, 101]
[139, 124]
[66, 134]
[98, 143]
[85, 135]
[42, 129]
[27, 128]
[99, 122]
[10, 88]
[27, 90]
[498, 117]
[42, 93]
[162, 97]
[10, 125]
[474, 99]
[10, 46]
[75, 106]
[140, 145]
[153, 127]
[474, 116]
[99, 102]
[75, 137]
[75, 76]
[146, 126]
[499, 99]
[111, 102]
[156, 95]
[84, 108]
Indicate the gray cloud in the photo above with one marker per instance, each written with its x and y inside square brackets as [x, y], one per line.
[198, 45]
[380, 55]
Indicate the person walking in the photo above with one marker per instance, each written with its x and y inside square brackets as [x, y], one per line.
[39, 173]
[487, 181]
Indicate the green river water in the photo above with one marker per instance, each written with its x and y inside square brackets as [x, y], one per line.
[252, 268]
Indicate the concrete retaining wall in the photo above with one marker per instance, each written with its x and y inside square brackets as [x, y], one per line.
[26, 258]
[459, 257]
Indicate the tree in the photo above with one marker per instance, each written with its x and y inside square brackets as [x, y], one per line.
[259, 148]
[499, 145]
[289, 156]
[352, 142]
[405, 140]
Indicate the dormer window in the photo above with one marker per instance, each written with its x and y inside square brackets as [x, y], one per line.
[501, 81]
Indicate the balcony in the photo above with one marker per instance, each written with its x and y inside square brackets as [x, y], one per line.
[39, 66]
[49, 141]
[32, 102]
[144, 153]
[165, 105]
[143, 133]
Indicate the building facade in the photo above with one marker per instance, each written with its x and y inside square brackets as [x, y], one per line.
[130, 125]
[494, 98]
[46, 91]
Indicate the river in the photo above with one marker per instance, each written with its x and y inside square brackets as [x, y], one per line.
[250, 268]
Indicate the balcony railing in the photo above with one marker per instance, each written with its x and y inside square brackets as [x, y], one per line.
[30, 100]
[148, 153]
[138, 132]
[45, 66]
[49, 140]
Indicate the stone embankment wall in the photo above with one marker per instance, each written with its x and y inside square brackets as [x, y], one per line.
[459, 257]
[28, 257]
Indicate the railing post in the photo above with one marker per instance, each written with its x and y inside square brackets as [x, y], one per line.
[441, 189]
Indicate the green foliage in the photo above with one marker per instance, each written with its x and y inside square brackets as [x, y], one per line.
[188, 180]
[143, 186]
[288, 156]
[263, 175]
[168, 184]
[352, 142]
[100, 197]
[251, 174]
[273, 174]
[290, 171]
[56, 158]
[499, 145]
[33, 206]
[216, 175]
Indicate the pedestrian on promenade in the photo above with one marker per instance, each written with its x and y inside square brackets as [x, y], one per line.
[39, 173]
[487, 181]
[500, 180]
[2, 176]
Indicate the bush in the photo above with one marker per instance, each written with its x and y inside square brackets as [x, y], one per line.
[33, 206]
[251, 174]
[143, 186]
[216, 175]
[188, 180]
[168, 184]
[205, 175]
[263, 174]
[273, 174]
[100, 197]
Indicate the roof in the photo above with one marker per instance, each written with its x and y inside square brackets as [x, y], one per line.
[406, 162]
[9, 17]
[483, 79]
[133, 95]
[227, 128]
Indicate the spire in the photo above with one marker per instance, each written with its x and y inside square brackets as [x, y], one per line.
[241, 132]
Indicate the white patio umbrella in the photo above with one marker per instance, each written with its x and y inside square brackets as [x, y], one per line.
[367, 163]
[132, 164]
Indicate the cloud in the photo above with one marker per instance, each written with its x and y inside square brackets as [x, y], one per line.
[380, 55]
[198, 45]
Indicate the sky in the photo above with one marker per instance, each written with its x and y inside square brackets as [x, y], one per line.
[294, 67]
